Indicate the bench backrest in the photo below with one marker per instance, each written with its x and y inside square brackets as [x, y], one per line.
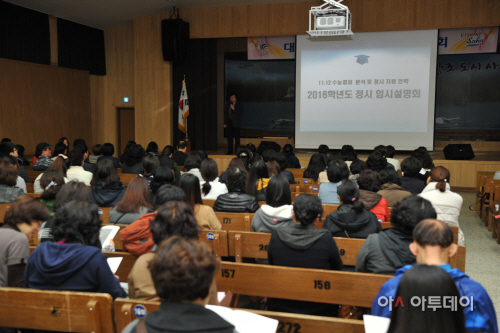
[56, 310]
[30, 188]
[126, 265]
[126, 177]
[104, 214]
[235, 221]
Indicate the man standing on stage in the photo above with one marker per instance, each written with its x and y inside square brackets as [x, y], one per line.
[232, 121]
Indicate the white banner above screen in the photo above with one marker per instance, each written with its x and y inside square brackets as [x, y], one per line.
[366, 89]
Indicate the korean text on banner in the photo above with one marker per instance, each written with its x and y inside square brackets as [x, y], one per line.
[265, 48]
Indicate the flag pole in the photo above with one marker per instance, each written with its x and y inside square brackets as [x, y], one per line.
[187, 137]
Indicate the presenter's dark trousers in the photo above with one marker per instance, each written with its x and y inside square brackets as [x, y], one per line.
[232, 132]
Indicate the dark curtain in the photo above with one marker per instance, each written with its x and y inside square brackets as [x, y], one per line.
[200, 68]
[24, 34]
[81, 47]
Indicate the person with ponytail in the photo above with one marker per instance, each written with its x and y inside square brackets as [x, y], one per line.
[211, 188]
[51, 182]
[446, 203]
[351, 219]
[300, 244]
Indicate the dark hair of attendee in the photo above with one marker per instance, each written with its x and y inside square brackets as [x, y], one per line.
[334, 156]
[323, 149]
[258, 172]
[168, 193]
[307, 208]
[409, 212]
[59, 148]
[425, 157]
[424, 281]
[80, 143]
[376, 161]
[316, 165]
[382, 149]
[245, 156]
[278, 192]
[60, 164]
[288, 149]
[77, 222]
[61, 140]
[76, 156]
[136, 196]
[152, 148]
[232, 94]
[236, 162]
[337, 171]
[357, 166]
[163, 176]
[209, 171]
[96, 150]
[441, 175]
[236, 179]
[269, 155]
[168, 150]
[38, 150]
[9, 159]
[411, 166]
[433, 232]
[193, 161]
[105, 174]
[25, 209]
[390, 176]
[282, 161]
[49, 176]
[252, 148]
[129, 145]
[391, 151]
[183, 270]
[369, 180]
[8, 174]
[174, 218]
[20, 150]
[348, 153]
[202, 154]
[73, 190]
[190, 184]
[135, 155]
[107, 149]
[6, 148]
[149, 165]
[349, 194]
[6, 140]
[273, 168]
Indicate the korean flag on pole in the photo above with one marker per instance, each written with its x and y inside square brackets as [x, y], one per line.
[183, 108]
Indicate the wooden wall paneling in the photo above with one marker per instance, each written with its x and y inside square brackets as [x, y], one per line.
[97, 110]
[54, 56]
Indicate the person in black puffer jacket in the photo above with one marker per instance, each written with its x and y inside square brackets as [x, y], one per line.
[236, 201]
[133, 163]
[107, 189]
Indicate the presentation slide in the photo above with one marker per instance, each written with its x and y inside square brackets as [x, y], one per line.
[366, 89]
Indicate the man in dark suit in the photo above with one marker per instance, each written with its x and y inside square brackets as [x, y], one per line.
[232, 121]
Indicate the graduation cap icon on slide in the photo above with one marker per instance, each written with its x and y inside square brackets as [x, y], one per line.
[362, 59]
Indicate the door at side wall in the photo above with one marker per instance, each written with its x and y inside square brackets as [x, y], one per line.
[126, 128]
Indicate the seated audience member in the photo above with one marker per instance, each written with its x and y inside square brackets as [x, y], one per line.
[11, 160]
[205, 215]
[427, 163]
[107, 189]
[337, 171]
[356, 167]
[23, 218]
[166, 160]
[323, 175]
[376, 161]
[293, 161]
[369, 183]
[258, 180]
[202, 154]
[316, 165]
[300, 244]
[235, 162]
[433, 245]
[163, 176]
[107, 151]
[59, 150]
[351, 219]
[9, 149]
[180, 155]
[323, 151]
[124, 156]
[251, 148]
[273, 168]
[423, 283]
[387, 251]
[411, 181]
[134, 203]
[236, 200]
[211, 188]
[391, 189]
[96, 153]
[136, 237]
[192, 166]
[245, 156]
[75, 261]
[283, 163]
[348, 154]
[269, 155]
[76, 171]
[44, 157]
[65, 141]
[80, 144]
[150, 164]
[390, 157]
[446, 203]
[8, 180]
[60, 164]
[52, 182]
[133, 162]
[182, 271]
[152, 149]
[20, 155]
[70, 191]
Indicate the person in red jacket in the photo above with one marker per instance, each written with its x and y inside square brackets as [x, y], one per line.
[369, 183]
